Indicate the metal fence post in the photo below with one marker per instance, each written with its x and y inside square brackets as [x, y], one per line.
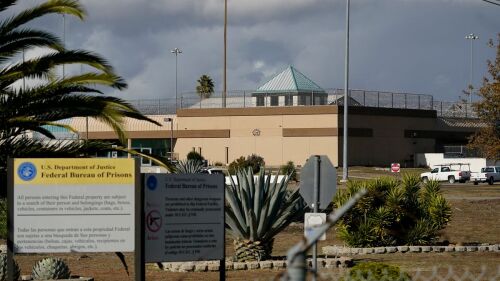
[244, 99]
[378, 99]
[364, 98]
[392, 100]
[418, 101]
[405, 100]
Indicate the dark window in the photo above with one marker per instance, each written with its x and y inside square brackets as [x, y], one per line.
[275, 100]
[260, 101]
[288, 100]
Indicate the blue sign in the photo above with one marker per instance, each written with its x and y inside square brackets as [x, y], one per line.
[152, 182]
[26, 171]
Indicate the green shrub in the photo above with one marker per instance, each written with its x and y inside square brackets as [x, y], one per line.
[289, 169]
[193, 155]
[218, 164]
[374, 271]
[254, 161]
[393, 212]
[237, 164]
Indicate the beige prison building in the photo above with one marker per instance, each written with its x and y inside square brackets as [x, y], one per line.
[290, 118]
[377, 136]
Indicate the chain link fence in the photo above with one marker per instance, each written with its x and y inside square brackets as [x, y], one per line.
[248, 99]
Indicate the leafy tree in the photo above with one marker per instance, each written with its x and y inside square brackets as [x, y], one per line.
[393, 212]
[487, 140]
[205, 87]
[44, 98]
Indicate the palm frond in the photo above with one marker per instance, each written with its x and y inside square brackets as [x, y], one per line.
[67, 7]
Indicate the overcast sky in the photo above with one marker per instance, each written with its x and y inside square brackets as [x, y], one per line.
[415, 46]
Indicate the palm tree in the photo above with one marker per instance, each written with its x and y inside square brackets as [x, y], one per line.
[205, 87]
[45, 98]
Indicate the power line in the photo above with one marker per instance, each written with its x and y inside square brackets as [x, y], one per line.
[494, 2]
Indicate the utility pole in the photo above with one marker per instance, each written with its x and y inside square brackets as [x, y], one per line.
[345, 172]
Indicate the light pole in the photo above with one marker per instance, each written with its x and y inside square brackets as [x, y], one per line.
[224, 86]
[176, 51]
[171, 120]
[471, 37]
[345, 172]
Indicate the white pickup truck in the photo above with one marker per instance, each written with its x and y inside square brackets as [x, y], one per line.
[446, 173]
[488, 174]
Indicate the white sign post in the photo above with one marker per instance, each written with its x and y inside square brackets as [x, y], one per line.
[184, 217]
[313, 220]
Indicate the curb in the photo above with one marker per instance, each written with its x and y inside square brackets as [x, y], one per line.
[204, 266]
[336, 250]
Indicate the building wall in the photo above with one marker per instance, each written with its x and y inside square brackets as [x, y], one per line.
[386, 141]
[377, 136]
[263, 133]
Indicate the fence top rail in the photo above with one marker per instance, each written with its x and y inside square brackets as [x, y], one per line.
[357, 97]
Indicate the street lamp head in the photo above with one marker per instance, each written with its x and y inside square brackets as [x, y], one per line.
[167, 119]
[176, 51]
[472, 36]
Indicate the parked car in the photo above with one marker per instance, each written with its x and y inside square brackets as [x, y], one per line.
[488, 174]
[447, 173]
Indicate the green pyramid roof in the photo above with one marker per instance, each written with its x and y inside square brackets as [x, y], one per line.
[289, 80]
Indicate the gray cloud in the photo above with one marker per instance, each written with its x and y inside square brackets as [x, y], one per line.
[406, 45]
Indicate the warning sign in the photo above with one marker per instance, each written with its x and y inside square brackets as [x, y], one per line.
[153, 221]
[184, 217]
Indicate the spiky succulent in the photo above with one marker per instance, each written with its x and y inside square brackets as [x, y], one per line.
[188, 167]
[3, 268]
[259, 208]
[50, 269]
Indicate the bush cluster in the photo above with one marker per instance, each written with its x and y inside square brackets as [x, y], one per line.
[254, 161]
[393, 212]
[193, 155]
[289, 169]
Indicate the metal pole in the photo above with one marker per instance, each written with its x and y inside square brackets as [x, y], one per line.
[345, 173]
[176, 51]
[317, 174]
[471, 37]
[171, 139]
[224, 91]
[471, 69]
[175, 81]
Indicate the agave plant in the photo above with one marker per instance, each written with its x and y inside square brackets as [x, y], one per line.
[188, 167]
[259, 208]
[50, 269]
[3, 268]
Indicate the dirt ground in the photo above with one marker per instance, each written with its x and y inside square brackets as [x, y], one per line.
[475, 218]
